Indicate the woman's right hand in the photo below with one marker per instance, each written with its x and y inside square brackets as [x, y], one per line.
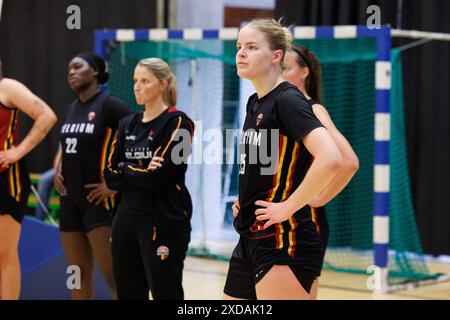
[9, 156]
[235, 207]
[59, 181]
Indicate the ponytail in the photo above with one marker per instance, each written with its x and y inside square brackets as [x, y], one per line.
[313, 83]
[170, 94]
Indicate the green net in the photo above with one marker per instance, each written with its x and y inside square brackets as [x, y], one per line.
[210, 91]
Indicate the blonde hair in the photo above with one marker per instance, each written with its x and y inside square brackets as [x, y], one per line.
[278, 37]
[162, 71]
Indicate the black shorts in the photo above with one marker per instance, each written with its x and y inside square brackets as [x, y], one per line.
[14, 190]
[82, 216]
[300, 249]
[324, 230]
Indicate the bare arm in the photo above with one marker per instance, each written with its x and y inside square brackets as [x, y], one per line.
[58, 180]
[19, 96]
[327, 162]
[57, 159]
[350, 162]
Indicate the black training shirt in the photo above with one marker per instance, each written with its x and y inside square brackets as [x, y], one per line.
[283, 116]
[86, 139]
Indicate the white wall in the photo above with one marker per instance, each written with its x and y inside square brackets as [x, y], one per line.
[209, 13]
[266, 4]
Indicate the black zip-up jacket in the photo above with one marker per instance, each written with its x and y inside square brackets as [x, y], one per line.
[162, 192]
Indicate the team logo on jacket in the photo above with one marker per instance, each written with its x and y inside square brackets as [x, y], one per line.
[151, 135]
[162, 252]
[259, 119]
[91, 116]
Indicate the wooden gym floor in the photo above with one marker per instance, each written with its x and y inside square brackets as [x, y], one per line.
[204, 280]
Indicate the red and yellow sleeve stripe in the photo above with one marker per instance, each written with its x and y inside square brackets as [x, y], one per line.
[292, 236]
[289, 179]
[314, 218]
[15, 186]
[9, 141]
[111, 152]
[277, 177]
[279, 236]
[174, 133]
[286, 193]
[106, 150]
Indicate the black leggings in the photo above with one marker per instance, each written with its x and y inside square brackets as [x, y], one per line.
[142, 262]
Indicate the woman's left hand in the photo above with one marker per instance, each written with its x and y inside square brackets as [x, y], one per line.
[272, 212]
[99, 192]
[156, 161]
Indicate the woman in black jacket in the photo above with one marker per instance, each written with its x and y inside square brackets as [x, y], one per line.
[151, 229]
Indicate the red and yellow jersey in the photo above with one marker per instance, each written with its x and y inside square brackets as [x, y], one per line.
[9, 128]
